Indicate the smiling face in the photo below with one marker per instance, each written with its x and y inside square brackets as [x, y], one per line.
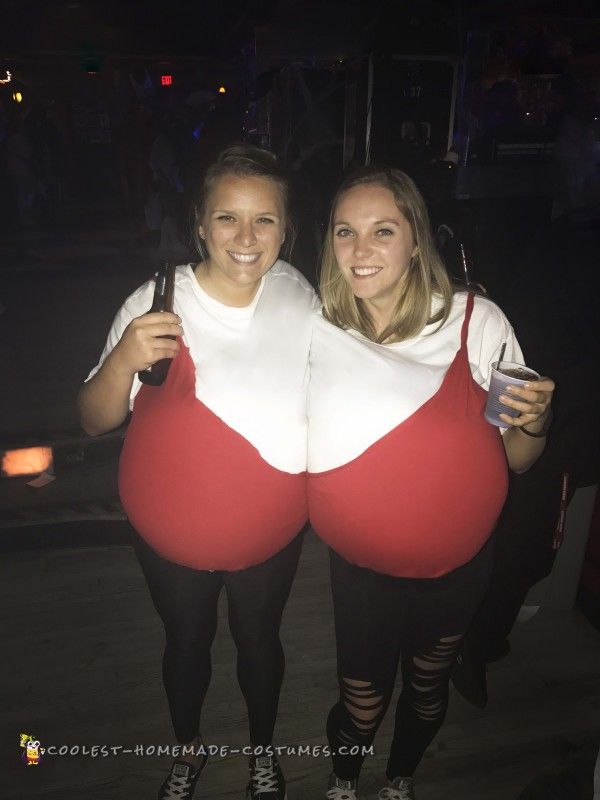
[373, 246]
[243, 228]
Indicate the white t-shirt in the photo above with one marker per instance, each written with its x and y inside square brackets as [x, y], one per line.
[361, 390]
[251, 363]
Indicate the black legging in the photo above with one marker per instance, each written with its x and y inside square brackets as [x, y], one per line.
[379, 619]
[186, 600]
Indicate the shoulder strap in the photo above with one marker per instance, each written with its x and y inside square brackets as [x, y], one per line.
[465, 326]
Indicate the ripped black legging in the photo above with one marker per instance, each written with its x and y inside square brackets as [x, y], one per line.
[186, 600]
[380, 620]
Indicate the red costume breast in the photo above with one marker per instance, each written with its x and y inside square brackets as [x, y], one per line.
[198, 492]
[423, 499]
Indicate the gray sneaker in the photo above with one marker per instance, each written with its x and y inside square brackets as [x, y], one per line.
[180, 782]
[340, 789]
[399, 789]
[266, 779]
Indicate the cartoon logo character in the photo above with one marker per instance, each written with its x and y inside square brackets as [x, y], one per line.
[32, 752]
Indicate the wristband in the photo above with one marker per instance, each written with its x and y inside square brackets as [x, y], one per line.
[544, 431]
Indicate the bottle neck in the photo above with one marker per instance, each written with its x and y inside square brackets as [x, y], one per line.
[163, 289]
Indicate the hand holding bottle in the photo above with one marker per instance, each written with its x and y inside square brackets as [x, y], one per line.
[142, 343]
[142, 349]
[164, 293]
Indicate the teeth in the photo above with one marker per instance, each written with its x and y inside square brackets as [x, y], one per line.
[365, 270]
[245, 258]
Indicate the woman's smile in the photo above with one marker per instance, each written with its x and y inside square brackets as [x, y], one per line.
[244, 258]
[365, 272]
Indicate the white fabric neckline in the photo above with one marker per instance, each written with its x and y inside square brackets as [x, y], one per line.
[219, 308]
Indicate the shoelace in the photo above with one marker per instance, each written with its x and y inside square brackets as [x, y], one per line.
[177, 787]
[400, 792]
[337, 793]
[264, 779]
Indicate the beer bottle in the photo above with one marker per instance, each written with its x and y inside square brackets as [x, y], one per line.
[162, 301]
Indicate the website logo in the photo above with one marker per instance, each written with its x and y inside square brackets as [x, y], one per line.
[32, 752]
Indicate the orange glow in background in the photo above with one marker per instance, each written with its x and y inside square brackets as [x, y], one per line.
[28, 461]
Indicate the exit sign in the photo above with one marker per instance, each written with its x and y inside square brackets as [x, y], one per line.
[166, 80]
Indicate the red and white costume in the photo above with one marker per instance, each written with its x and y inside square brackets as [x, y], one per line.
[212, 473]
[405, 475]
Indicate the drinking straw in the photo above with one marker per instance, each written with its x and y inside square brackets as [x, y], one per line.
[502, 349]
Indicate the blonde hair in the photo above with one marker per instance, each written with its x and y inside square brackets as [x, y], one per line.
[426, 276]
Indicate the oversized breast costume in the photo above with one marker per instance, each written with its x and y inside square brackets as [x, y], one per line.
[212, 472]
[405, 475]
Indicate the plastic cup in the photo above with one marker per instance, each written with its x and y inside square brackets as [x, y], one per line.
[510, 374]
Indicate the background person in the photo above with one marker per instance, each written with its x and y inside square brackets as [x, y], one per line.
[406, 478]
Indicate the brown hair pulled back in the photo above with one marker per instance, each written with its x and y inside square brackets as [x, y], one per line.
[244, 161]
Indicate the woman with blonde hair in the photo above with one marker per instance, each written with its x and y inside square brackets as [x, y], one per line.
[406, 477]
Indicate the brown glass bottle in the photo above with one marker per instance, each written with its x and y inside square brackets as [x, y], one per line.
[162, 301]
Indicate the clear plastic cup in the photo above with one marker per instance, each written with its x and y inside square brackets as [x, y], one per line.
[510, 374]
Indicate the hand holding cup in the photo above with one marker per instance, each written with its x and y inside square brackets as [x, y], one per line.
[518, 396]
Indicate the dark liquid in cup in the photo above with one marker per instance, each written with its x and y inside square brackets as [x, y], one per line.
[520, 374]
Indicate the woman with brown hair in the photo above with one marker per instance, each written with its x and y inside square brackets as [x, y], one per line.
[406, 477]
[212, 473]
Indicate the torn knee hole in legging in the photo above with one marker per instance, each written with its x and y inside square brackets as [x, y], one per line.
[364, 703]
[430, 678]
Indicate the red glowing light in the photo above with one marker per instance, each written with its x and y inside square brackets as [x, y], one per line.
[166, 80]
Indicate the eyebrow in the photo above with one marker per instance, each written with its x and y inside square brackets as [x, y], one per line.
[377, 222]
[260, 213]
